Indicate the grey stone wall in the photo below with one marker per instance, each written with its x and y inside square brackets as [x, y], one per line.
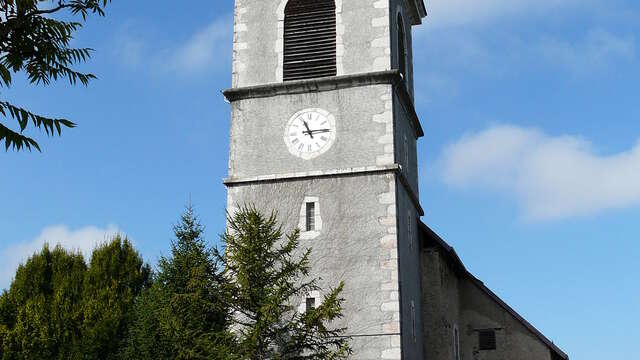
[399, 7]
[514, 341]
[363, 39]
[406, 143]
[357, 245]
[451, 300]
[441, 306]
[363, 125]
[409, 273]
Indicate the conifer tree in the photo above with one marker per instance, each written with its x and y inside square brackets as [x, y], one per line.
[58, 308]
[116, 276]
[41, 313]
[266, 277]
[182, 316]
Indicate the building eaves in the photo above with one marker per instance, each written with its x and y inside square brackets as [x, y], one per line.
[431, 238]
[418, 11]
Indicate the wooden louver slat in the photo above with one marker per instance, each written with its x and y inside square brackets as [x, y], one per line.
[309, 39]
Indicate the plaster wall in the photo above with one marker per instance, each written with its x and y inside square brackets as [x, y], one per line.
[363, 39]
[450, 300]
[406, 143]
[441, 306]
[514, 341]
[364, 132]
[409, 273]
[400, 7]
[356, 245]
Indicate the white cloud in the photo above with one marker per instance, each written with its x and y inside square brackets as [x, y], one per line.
[207, 49]
[82, 240]
[551, 177]
[597, 50]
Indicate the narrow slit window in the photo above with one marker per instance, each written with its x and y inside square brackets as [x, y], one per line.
[311, 216]
[456, 343]
[413, 321]
[410, 229]
[311, 304]
[310, 39]
[487, 339]
[402, 47]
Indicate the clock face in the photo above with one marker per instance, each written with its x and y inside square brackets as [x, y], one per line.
[310, 133]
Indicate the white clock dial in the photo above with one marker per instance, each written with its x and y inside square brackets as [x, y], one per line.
[310, 133]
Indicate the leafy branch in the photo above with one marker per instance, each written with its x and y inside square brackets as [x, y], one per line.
[34, 42]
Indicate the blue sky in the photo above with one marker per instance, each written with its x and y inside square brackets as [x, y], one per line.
[530, 166]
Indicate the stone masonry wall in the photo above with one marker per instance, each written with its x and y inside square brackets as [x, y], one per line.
[363, 39]
[357, 245]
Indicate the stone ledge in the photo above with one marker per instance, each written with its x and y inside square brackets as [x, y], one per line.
[312, 174]
[395, 168]
[391, 77]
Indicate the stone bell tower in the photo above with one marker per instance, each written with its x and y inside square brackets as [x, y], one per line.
[324, 131]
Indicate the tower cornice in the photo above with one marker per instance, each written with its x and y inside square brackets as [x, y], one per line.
[395, 169]
[391, 77]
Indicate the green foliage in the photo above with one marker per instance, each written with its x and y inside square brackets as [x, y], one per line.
[116, 276]
[58, 308]
[42, 311]
[34, 42]
[182, 316]
[146, 339]
[201, 304]
[266, 273]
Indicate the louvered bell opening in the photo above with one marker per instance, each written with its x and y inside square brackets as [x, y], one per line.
[309, 39]
[487, 339]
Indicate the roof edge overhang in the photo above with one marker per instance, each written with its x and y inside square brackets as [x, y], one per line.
[419, 11]
[432, 238]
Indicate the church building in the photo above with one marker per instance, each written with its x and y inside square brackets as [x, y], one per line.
[324, 131]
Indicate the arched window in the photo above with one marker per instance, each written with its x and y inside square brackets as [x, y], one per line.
[309, 39]
[402, 47]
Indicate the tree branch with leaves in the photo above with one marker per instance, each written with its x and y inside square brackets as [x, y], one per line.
[33, 41]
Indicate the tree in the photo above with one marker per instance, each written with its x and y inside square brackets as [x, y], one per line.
[266, 274]
[33, 41]
[182, 315]
[41, 313]
[58, 308]
[116, 276]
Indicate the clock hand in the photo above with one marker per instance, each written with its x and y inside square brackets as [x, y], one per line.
[309, 132]
[319, 131]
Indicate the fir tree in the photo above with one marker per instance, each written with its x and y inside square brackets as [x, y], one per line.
[182, 316]
[266, 275]
[116, 276]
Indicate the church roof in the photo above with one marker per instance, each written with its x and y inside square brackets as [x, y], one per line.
[419, 11]
[430, 238]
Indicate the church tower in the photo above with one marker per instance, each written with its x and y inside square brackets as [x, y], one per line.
[324, 131]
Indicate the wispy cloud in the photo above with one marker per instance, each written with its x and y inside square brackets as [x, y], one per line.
[452, 13]
[597, 50]
[129, 50]
[551, 177]
[452, 58]
[208, 49]
[82, 240]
